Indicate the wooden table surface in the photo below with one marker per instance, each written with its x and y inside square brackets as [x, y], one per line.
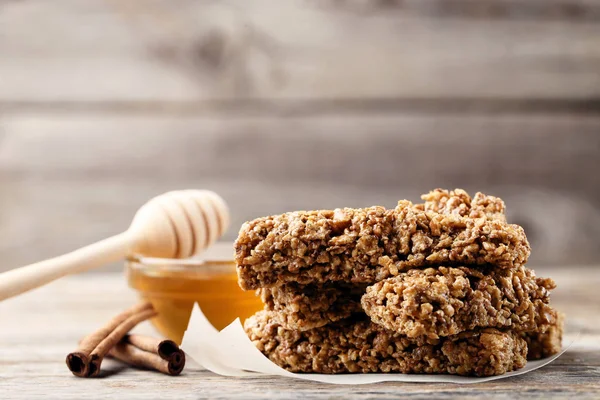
[38, 329]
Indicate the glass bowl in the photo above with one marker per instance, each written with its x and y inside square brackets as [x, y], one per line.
[173, 286]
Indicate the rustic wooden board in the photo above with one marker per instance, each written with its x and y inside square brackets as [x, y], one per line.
[68, 52]
[67, 180]
[296, 105]
[41, 327]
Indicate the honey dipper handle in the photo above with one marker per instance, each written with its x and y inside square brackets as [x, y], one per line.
[21, 280]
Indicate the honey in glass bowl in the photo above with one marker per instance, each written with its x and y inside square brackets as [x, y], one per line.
[173, 286]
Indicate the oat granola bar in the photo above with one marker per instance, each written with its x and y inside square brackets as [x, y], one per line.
[304, 307]
[360, 346]
[370, 244]
[542, 344]
[445, 301]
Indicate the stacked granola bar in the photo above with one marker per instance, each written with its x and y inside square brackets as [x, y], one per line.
[437, 287]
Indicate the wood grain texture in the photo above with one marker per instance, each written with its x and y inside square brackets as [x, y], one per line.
[41, 327]
[103, 51]
[296, 105]
[68, 181]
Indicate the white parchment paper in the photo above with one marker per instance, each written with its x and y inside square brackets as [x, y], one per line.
[231, 353]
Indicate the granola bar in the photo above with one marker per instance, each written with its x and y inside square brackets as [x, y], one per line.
[371, 244]
[360, 346]
[304, 307]
[445, 301]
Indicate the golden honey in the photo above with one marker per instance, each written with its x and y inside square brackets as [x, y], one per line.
[173, 286]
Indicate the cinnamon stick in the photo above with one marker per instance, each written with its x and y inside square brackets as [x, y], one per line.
[86, 360]
[150, 353]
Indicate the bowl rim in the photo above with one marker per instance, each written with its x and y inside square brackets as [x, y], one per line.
[173, 262]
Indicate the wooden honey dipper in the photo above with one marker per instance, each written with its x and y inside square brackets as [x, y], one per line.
[176, 224]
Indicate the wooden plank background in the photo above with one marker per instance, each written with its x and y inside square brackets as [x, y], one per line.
[297, 105]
